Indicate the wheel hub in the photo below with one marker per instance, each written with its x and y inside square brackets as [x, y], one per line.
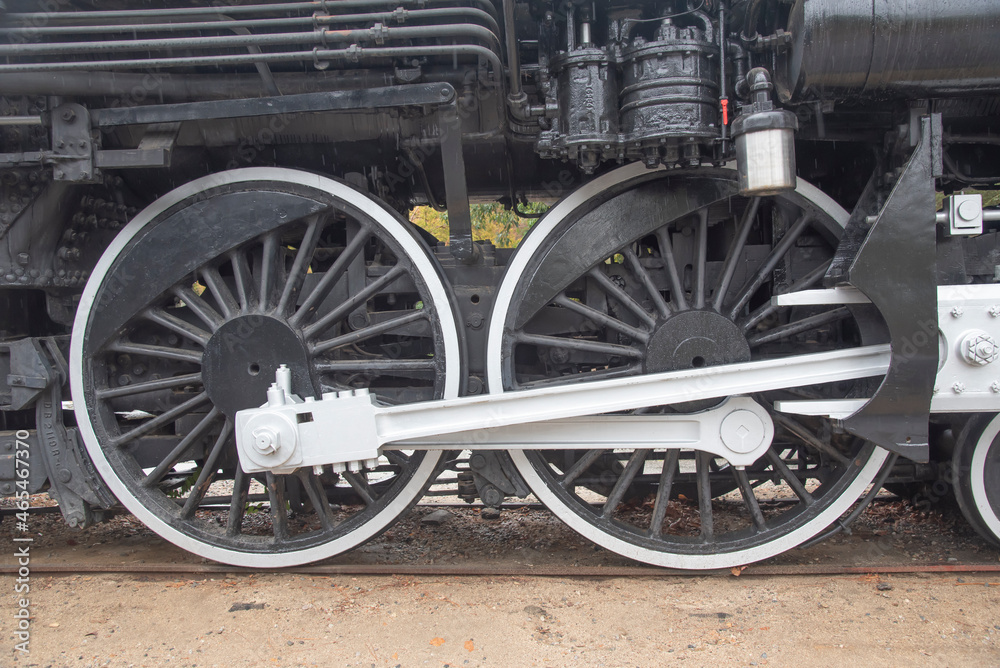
[694, 339]
[242, 356]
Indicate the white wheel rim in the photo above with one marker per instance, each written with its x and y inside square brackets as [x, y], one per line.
[422, 264]
[505, 295]
[977, 477]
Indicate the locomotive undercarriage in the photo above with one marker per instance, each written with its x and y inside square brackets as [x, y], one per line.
[226, 229]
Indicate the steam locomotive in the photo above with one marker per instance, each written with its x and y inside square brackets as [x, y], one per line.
[766, 285]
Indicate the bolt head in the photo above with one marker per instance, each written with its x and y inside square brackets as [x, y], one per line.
[980, 349]
[957, 311]
[958, 387]
[266, 441]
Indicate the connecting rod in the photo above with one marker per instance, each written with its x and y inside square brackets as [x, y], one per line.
[349, 428]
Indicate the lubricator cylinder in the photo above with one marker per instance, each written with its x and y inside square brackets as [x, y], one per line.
[765, 141]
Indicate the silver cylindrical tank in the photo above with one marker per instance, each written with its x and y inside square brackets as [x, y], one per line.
[765, 142]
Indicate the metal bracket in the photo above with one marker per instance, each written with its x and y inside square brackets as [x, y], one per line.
[72, 144]
[895, 268]
[26, 377]
[73, 480]
[456, 192]
[495, 477]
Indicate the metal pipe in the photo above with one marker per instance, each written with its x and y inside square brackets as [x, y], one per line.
[513, 54]
[354, 54]
[317, 6]
[403, 16]
[222, 41]
[21, 120]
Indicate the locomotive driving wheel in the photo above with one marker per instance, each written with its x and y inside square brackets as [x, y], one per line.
[976, 474]
[187, 317]
[650, 271]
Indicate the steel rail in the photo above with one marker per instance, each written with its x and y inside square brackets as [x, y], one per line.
[486, 569]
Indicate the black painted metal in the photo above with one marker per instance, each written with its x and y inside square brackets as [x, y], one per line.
[895, 268]
[914, 48]
[374, 98]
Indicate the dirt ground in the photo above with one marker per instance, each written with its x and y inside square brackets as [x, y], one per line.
[283, 619]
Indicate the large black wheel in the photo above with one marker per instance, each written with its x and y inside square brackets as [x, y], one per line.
[187, 317]
[649, 271]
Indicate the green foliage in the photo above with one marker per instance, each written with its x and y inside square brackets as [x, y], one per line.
[490, 222]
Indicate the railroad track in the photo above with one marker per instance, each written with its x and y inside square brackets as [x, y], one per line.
[485, 569]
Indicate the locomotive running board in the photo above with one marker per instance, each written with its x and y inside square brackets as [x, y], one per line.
[349, 428]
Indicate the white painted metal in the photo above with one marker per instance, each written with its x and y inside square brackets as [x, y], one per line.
[832, 408]
[965, 313]
[361, 426]
[394, 226]
[739, 429]
[838, 295]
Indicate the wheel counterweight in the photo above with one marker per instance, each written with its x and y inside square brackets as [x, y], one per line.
[647, 271]
[188, 315]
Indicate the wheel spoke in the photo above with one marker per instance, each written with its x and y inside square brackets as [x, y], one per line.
[612, 349]
[223, 296]
[746, 490]
[622, 297]
[317, 497]
[149, 386]
[579, 467]
[778, 252]
[374, 365]
[634, 465]
[241, 274]
[182, 446]
[330, 278]
[793, 480]
[602, 318]
[178, 326]
[279, 513]
[300, 266]
[163, 419]
[768, 308]
[735, 252]
[799, 326]
[370, 331]
[269, 268]
[344, 309]
[396, 457]
[238, 503]
[799, 430]
[702, 466]
[360, 485]
[659, 303]
[670, 264]
[586, 376]
[663, 492]
[199, 307]
[208, 472]
[163, 352]
[701, 261]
